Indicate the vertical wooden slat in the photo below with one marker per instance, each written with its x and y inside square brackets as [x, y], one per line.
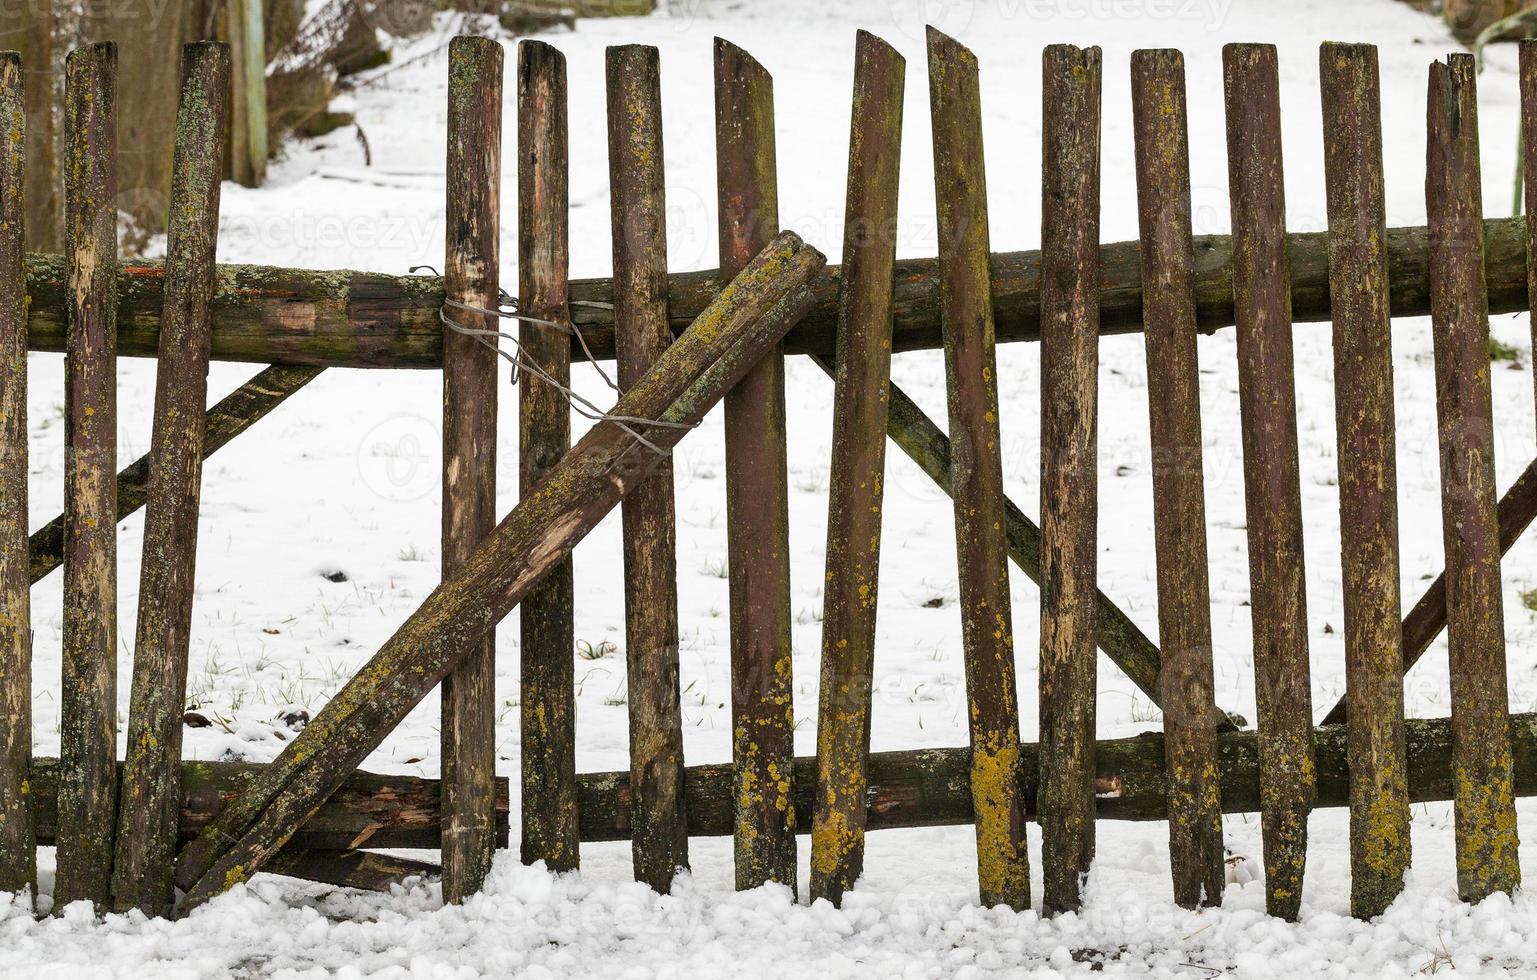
[966, 311]
[1528, 75]
[1186, 683]
[151, 782]
[757, 494]
[860, 404]
[88, 695]
[548, 709]
[1272, 488]
[1368, 474]
[18, 834]
[471, 277]
[1069, 484]
[659, 825]
[1487, 839]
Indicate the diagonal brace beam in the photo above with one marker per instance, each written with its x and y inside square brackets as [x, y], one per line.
[1428, 617]
[235, 413]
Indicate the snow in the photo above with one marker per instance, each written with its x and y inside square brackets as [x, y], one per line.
[345, 478]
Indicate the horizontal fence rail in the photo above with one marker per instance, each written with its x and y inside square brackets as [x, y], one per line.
[269, 315]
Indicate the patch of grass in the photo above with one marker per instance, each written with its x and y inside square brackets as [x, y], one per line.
[1499, 351]
[590, 651]
[1529, 599]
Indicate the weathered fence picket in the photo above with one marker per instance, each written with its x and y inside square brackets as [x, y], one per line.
[472, 255]
[641, 336]
[88, 692]
[1070, 96]
[1528, 88]
[1368, 475]
[858, 469]
[18, 834]
[1486, 836]
[1190, 716]
[757, 493]
[547, 618]
[1272, 487]
[145, 853]
[987, 631]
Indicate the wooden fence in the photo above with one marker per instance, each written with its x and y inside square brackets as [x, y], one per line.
[127, 833]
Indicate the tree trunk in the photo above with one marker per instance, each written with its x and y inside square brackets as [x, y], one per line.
[32, 32]
[149, 40]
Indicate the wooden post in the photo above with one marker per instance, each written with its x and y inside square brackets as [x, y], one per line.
[1528, 74]
[757, 494]
[1272, 488]
[469, 447]
[248, 45]
[546, 621]
[641, 336]
[88, 695]
[1368, 475]
[18, 836]
[960, 192]
[235, 413]
[471, 278]
[860, 409]
[1487, 840]
[729, 338]
[1069, 466]
[1427, 619]
[1190, 716]
[148, 796]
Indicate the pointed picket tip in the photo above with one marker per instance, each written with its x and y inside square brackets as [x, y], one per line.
[945, 49]
[867, 45]
[741, 65]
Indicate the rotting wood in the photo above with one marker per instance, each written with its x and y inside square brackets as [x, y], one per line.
[365, 870]
[757, 494]
[88, 693]
[341, 318]
[145, 852]
[1368, 476]
[1069, 351]
[931, 787]
[1528, 87]
[914, 788]
[472, 259]
[1517, 509]
[1487, 840]
[659, 846]
[1186, 682]
[18, 837]
[960, 192]
[234, 414]
[546, 622]
[858, 472]
[368, 810]
[1272, 488]
[750, 317]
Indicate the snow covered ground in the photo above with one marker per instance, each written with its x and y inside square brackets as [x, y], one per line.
[345, 478]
